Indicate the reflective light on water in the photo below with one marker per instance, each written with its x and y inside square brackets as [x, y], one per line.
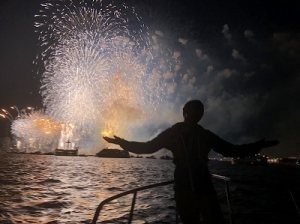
[41, 189]
[57, 189]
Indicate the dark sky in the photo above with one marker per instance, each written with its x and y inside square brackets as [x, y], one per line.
[253, 48]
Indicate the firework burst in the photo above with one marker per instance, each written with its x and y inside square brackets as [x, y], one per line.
[36, 131]
[95, 73]
[105, 71]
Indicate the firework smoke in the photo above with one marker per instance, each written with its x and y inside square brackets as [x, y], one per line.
[105, 72]
[36, 131]
[93, 75]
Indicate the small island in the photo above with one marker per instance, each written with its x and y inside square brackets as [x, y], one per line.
[113, 153]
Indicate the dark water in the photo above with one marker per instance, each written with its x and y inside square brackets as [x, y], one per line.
[51, 189]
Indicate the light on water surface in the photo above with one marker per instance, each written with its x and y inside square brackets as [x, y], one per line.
[41, 189]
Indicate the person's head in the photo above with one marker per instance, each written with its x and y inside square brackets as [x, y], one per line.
[193, 111]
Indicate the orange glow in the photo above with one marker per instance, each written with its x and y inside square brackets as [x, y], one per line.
[122, 108]
[47, 126]
[106, 146]
[116, 76]
[107, 133]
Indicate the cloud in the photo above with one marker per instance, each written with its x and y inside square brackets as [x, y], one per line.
[188, 89]
[171, 87]
[154, 78]
[280, 36]
[226, 32]
[176, 54]
[248, 33]
[209, 68]
[156, 47]
[185, 77]
[177, 67]
[201, 55]
[236, 55]
[119, 40]
[149, 55]
[183, 41]
[193, 80]
[168, 75]
[168, 115]
[227, 112]
[162, 65]
[205, 57]
[287, 44]
[227, 73]
[191, 71]
[159, 33]
[154, 38]
[248, 75]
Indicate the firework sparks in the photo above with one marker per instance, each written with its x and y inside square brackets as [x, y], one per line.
[103, 72]
[94, 73]
[36, 131]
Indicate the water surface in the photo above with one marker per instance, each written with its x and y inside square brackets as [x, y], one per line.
[54, 189]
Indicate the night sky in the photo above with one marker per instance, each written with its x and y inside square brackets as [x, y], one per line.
[253, 51]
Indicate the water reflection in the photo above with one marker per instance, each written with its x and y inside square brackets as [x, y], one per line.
[50, 189]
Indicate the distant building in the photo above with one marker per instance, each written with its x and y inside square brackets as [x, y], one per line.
[288, 160]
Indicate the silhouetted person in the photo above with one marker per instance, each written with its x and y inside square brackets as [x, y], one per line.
[190, 144]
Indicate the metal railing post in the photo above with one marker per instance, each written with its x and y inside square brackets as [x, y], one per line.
[132, 207]
[295, 203]
[100, 206]
[230, 211]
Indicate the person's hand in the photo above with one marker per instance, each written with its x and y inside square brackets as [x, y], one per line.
[265, 144]
[115, 140]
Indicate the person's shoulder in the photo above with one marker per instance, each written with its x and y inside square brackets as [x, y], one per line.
[178, 124]
[176, 128]
[170, 131]
[204, 131]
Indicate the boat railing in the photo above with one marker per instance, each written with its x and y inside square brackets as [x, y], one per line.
[294, 201]
[134, 192]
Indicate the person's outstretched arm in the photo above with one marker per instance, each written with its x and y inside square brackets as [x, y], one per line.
[229, 150]
[149, 147]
